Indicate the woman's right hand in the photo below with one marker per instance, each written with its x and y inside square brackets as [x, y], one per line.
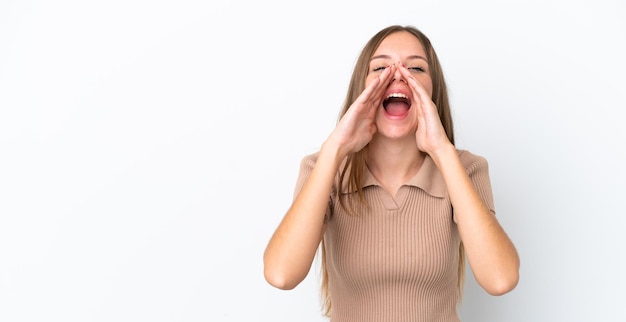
[357, 126]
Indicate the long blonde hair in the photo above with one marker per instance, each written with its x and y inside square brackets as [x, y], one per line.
[355, 162]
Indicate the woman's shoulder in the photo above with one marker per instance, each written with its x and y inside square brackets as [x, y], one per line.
[471, 160]
[309, 160]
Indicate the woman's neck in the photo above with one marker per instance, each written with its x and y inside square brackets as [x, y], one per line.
[393, 162]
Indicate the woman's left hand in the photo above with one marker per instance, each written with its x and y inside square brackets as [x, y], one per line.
[430, 133]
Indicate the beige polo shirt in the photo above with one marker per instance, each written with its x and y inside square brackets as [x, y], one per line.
[397, 259]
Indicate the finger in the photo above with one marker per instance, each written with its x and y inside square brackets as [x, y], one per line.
[416, 87]
[385, 78]
[381, 85]
[375, 100]
[372, 96]
[372, 88]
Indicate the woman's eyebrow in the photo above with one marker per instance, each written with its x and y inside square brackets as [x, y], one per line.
[389, 57]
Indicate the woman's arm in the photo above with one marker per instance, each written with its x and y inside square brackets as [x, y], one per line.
[491, 254]
[291, 250]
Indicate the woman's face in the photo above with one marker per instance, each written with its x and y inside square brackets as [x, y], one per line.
[396, 117]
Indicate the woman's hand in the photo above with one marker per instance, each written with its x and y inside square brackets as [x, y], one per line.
[430, 133]
[357, 126]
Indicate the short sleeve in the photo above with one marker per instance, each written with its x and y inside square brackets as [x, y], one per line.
[306, 167]
[477, 169]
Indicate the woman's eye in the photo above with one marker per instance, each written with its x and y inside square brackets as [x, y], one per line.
[416, 69]
[378, 69]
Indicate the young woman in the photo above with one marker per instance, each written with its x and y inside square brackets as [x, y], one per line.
[395, 205]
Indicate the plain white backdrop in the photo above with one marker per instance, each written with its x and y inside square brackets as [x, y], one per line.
[148, 149]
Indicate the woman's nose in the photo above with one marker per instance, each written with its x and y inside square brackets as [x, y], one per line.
[398, 75]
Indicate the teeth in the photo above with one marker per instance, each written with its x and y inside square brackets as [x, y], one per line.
[400, 95]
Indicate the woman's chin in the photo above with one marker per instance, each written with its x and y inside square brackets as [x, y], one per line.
[396, 132]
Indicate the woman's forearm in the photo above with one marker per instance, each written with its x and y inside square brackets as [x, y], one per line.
[291, 250]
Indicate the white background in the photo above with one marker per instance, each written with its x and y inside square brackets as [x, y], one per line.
[148, 149]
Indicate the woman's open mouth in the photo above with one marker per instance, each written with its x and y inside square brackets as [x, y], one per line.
[397, 104]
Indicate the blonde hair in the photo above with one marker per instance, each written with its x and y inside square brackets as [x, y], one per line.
[355, 162]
